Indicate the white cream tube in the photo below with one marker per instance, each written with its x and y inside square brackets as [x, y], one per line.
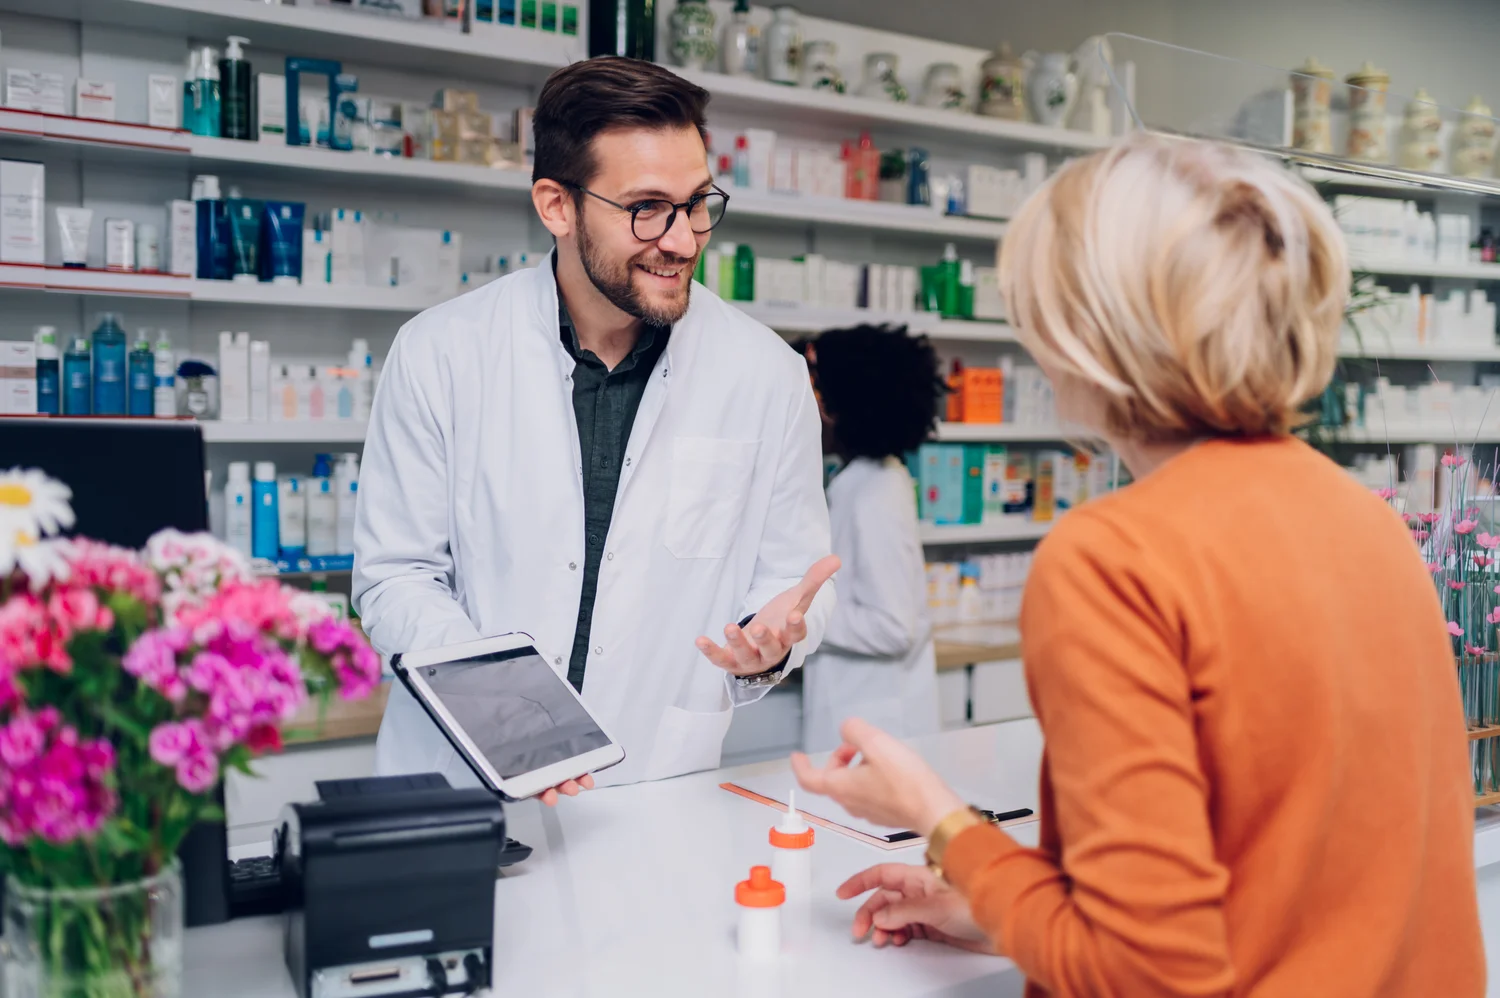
[74, 225]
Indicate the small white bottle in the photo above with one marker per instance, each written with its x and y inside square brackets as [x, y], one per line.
[363, 366]
[283, 395]
[291, 509]
[760, 899]
[238, 507]
[791, 866]
[346, 493]
[164, 397]
[322, 518]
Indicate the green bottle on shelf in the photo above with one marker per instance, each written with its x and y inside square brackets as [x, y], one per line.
[744, 273]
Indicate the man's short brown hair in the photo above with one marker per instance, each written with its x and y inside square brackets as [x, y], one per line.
[580, 101]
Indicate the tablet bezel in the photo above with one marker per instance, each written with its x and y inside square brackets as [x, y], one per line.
[523, 785]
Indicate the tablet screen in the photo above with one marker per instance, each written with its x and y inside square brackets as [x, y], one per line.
[520, 714]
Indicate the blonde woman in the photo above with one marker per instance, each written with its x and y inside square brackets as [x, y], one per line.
[1255, 779]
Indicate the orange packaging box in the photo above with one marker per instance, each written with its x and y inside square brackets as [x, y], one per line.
[981, 395]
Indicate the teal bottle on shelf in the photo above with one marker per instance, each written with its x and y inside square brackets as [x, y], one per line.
[48, 375]
[78, 379]
[744, 273]
[141, 366]
[109, 366]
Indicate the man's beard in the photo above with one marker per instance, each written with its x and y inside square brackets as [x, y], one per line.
[613, 281]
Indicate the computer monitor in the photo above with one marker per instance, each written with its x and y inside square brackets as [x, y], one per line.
[130, 477]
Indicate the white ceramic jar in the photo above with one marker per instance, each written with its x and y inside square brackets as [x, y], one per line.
[820, 67]
[1367, 99]
[1419, 148]
[943, 86]
[880, 81]
[1312, 93]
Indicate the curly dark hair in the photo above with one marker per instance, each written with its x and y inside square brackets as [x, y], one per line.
[880, 386]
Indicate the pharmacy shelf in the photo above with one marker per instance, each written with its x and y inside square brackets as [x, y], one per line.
[998, 532]
[788, 318]
[1435, 434]
[302, 431]
[278, 157]
[1005, 433]
[497, 54]
[1422, 268]
[1395, 350]
[841, 111]
[850, 213]
[62, 280]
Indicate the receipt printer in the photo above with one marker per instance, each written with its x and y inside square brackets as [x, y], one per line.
[390, 888]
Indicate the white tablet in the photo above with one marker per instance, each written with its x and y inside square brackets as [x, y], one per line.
[520, 726]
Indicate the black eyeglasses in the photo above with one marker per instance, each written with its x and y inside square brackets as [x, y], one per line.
[652, 219]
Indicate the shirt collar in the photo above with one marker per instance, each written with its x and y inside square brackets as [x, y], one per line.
[568, 333]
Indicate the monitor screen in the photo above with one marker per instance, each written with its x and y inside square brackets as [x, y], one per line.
[130, 478]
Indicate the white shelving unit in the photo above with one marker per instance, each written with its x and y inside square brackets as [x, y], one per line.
[1378, 349]
[847, 111]
[1004, 433]
[847, 212]
[1423, 268]
[812, 319]
[997, 532]
[312, 432]
[1435, 434]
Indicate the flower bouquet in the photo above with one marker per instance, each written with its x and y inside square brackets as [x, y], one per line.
[1464, 560]
[129, 682]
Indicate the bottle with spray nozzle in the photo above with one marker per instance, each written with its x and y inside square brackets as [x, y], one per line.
[791, 866]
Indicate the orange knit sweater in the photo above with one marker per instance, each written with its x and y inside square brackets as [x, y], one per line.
[1255, 779]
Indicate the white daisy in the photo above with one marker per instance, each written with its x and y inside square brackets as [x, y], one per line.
[33, 504]
[43, 561]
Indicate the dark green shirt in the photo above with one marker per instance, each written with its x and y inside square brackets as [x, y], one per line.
[605, 403]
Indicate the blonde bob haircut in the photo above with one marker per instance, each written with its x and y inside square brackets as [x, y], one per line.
[1198, 288]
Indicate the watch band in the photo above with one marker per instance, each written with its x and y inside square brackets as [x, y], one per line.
[944, 832]
[770, 677]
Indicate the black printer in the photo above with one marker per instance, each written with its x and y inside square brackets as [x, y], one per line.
[389, 888]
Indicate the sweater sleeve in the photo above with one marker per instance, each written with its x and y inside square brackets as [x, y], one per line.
[1133, 903]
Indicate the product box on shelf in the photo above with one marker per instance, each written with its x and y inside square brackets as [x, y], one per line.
[941, 482]
[996, 459]
[988, 304]
[163, 101]
[973, 503]
[182, 238]
[95, 99]
[17, 377]
[347, 251]
[980, 395]
[1018, 485]
[26, 90]
[234, 377]
[270, 108]
[23, 187]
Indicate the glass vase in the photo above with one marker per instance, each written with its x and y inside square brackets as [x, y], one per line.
[123, 941]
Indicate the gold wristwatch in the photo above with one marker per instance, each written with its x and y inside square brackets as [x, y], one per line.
[944, 832]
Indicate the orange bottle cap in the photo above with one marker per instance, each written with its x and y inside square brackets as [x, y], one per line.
[791, 840]
[760, 891]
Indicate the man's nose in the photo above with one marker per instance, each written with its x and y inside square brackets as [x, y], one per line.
[679, 238]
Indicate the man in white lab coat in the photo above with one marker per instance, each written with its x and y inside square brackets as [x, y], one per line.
[600, 454]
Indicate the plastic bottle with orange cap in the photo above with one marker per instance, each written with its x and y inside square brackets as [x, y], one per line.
[786, 883]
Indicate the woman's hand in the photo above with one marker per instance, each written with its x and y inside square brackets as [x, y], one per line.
[910, 903]
[891, 784]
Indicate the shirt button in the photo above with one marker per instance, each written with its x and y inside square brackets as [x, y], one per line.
[593, 538]
[627, 462]
[572, 566]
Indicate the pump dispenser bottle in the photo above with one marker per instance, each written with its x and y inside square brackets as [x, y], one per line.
[48, 373]
[235, 84]
[207, 93]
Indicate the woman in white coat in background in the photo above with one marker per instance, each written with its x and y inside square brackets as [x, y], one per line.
[878, 392]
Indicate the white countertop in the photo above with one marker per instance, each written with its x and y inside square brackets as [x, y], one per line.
[630, 892]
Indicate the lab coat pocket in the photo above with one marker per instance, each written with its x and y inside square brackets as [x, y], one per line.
[706, 500]
[687, 741]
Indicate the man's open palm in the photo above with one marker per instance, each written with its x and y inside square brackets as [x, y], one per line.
[772, 632]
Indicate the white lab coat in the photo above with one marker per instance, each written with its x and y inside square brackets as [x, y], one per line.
[470, 517]
[876, 661]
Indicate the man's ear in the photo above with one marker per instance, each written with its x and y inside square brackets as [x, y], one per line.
[555, 206]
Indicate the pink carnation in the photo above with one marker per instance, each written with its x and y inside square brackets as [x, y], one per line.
[1453, 461]
[1420, 534]
[103, 566]
[1385, 493]
[1429, 518]
[183, 747]
[1487, 541]
[1483, 561]
[1465, 526]
[153, 660]
[355, 664]
[75, 609]
[29, 637]
[1455, 630]
[1473, 649]
[1493, 617]
[54, 786]
[1455, 585]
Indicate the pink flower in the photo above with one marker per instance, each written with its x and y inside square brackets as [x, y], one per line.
[102, 566]
[1465, 526]
[173, 741]
[54, 785]
[1482, 561]
[1455, 630]
[153, 660]
[29, 637]
[1453, 461]
[356, 666]
[1385, 493]
[1420, 535]
[1435, 568]
[198, 772]
[1487, 541]
[1429, 518]
[1455, 585]
[75, 609]
[1473, 649]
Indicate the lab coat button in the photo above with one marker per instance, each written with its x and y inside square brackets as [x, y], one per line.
[598, 649]
[610, 556]
[572, 566]
[557, 660]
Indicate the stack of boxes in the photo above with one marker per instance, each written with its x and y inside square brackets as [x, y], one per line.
[989, 483]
